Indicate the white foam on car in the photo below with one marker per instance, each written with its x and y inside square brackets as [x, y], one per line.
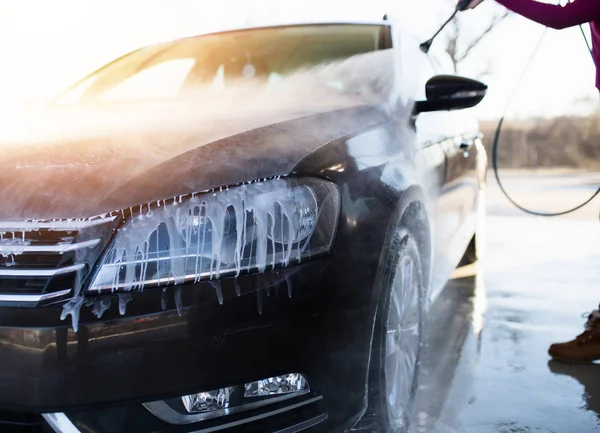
[265, 201]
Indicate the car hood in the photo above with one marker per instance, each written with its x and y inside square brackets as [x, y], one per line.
[81, 162]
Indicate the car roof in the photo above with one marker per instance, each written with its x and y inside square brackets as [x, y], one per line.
[382, 23]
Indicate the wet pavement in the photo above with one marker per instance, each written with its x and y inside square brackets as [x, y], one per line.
[485, 366]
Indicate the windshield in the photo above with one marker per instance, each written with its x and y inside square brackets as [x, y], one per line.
[216, 61]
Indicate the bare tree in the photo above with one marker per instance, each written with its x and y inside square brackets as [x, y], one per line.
[460, 45]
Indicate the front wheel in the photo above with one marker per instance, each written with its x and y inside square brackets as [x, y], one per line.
[396, 341]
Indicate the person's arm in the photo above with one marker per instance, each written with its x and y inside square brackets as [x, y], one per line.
[556, 16]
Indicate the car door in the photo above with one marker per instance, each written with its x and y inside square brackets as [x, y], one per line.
[448, 143]
[460, 192]
[415, 69]
[455, 136]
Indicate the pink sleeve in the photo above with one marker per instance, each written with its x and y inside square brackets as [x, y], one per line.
[556, 16]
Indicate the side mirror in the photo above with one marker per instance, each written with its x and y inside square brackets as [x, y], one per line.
[450, 92]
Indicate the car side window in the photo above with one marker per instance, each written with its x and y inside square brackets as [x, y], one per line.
[417, 67]
[429, 70]
[431, 127]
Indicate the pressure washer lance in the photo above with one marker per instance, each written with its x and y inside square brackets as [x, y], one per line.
[461, 6]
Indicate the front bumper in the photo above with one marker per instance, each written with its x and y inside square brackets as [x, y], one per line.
[315, 318]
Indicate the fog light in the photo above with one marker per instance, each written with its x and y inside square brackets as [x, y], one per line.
[207, 401]
[286, 384]
[223, 402]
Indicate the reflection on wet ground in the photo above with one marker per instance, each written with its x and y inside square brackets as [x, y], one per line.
[485, 366]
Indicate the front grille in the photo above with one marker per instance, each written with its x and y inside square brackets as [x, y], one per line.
[47, 261]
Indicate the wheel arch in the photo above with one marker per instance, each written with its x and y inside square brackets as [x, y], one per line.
[411, 213]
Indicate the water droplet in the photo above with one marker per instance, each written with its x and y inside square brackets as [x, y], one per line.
[124, 299]
[178, 302]
[163, 300]
[259, 301]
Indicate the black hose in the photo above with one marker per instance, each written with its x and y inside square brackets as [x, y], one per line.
[497, 140]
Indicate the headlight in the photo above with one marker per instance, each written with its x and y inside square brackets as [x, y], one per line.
[248, 227]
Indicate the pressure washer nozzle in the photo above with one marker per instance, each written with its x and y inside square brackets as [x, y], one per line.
[425, 46]
[460, 6]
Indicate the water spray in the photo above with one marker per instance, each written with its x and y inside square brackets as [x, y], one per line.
[461, 6]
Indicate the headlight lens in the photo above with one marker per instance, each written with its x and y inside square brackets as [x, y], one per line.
[248, 227]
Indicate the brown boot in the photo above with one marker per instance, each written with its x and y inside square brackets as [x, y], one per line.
[586, 346]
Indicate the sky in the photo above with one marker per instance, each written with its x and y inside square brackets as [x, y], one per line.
[47, 45]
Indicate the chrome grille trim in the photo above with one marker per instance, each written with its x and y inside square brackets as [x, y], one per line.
[40, 272]
[5, 297]
[48, 261]
[60, 248]
[72, 224]
[60, 423]
[166, 413]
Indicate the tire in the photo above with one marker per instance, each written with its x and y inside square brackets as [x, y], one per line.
[396, 344]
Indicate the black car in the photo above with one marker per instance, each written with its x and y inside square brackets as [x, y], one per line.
[241, 230]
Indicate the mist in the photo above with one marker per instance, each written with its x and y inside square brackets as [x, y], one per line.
[70, 160]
